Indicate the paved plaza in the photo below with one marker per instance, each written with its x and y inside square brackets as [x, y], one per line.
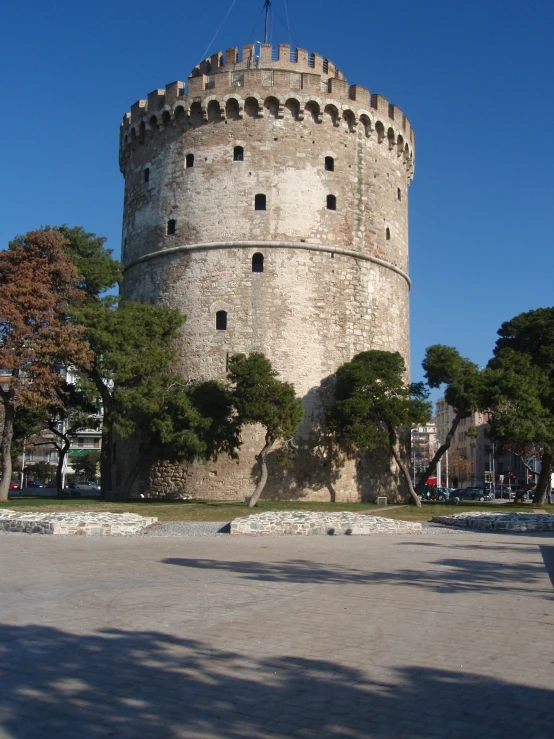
[450, 635]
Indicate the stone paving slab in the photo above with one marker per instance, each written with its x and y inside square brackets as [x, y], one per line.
[499, 521]
[306, 523]
[368, 637]
[81, 523]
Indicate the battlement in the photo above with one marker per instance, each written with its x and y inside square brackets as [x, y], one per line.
[264, 56]
[267, 82]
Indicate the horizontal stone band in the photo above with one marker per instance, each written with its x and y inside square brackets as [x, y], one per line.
[270, 245]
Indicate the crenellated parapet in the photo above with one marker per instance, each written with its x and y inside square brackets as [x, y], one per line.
[266, 83]
[258, 56]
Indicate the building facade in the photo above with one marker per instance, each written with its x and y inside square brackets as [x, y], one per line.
[473, 459]
[267, 199]
[424, 446]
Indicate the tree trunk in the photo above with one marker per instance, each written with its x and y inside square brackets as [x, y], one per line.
[432, 466]
[7, 436]
[131, 477]
[62, 447]
[393, 441]
[140, 465]
[544, 481]
[106, 452]
[527, 466]
[262, 464]
[62, 451]
[106, 457]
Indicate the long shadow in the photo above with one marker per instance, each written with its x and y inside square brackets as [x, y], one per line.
[448, 575]
[548, 559]
[149, 684]
[511, 547]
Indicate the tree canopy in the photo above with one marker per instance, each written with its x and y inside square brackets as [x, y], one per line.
[374, 405]
[519, 388]
[444, 366]
[38, 281]
[177, 422]
[131, 345]
[97, 270]
[261, 398]
[86, 465]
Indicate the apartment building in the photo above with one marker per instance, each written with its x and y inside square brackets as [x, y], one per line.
[473, 445]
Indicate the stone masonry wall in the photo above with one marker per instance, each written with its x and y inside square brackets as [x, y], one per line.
[334, 282]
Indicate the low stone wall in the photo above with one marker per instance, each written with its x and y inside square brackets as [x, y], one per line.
[74, 523]
[308, 523]
[499, 521]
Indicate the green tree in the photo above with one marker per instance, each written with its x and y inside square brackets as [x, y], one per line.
[375, 406]
[131, 345]
[520, 388]
[76, 409]
[42, 471]
[97, 270]
[38, 282]
[86, 465]
[261, 398]
[29, 421]
[443, 365]
[177, 422]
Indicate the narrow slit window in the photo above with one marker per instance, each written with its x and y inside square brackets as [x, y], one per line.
[331, 202]
[238, 154]
[124, 246]
[258, 262]
[147, 174]
[221, 320]
[171, 227]
[399, 194]
[387, 233]
[259, 202]
[189, 161]
[329, 164]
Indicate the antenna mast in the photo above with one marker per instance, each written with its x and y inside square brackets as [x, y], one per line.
[267, 6]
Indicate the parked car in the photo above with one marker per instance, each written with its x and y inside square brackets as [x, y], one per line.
[432, 494]
[34, 484]
[460, 494]
[86, 487]
[52, 484]
[14, 485]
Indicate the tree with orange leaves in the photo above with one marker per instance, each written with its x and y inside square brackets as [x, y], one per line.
[38, 282]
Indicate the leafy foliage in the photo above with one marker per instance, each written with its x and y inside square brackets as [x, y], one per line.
[443, 365]
[132, 347]
[38, 282]
[519, 389]
[97, 271]
[86, 465]
[371, 397]
[261, 398]
[374, 404]
[42, 471]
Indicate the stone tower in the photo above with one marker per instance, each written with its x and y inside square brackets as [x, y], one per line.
[267, 199]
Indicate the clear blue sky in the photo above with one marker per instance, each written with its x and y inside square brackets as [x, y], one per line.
[475, 79]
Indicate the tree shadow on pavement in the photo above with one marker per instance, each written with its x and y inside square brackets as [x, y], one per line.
[547, 553]
[150, 684]
[447, 575]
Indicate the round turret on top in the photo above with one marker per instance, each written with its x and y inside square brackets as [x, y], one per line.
[267, 199]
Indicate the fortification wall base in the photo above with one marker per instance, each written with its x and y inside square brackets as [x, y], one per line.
[316, 473]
